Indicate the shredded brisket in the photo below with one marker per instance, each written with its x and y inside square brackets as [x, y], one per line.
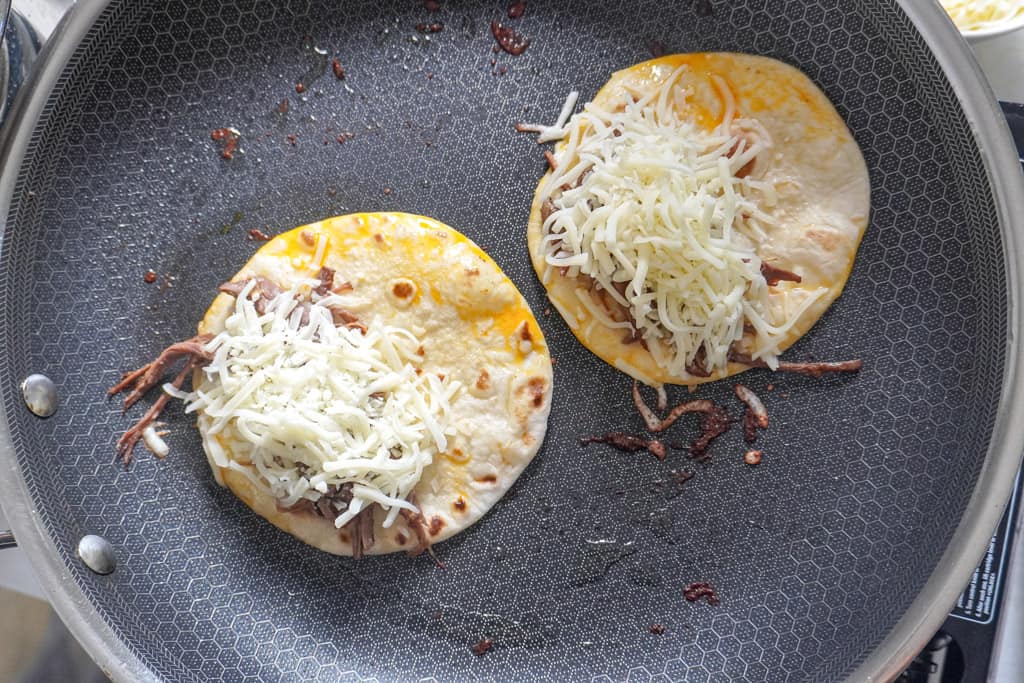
[629, 443]
[126, 444]
[812, 369]
[361, 528]
[701, 589]
[755, 415]
[419, 527]
[713, 424]
[774, 275]
[326, 278]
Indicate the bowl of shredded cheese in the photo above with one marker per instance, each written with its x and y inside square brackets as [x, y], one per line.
[982, 19]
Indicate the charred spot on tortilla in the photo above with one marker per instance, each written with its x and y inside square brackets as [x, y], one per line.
[703, 210]
[356, 389]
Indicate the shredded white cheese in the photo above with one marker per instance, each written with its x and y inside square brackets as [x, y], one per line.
[557, 131]
[313, 406]
[976, 15]
[651, 208]
[154, 443]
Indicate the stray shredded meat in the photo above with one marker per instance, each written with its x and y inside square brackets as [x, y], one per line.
[149, 376]
[259, 236]
[629, 443]
[657, 629]
[552, 164]
[326, 278]
[701, 405]
[511, 42]
[150, 277]
[749, 426]
[774, 275]
[680, 477]
[758, 414]
[335, 501]
[266, 290]
[701, 589]
[752, 457]
[230, 138]
[347, 318]
[516, 9]
[434, 27]
[812, 369]
[713, 424]
[339, 70]
[483, 646]
[697, 366]
[361, 527]
[650, 419]
[419, 527]
[146, 377]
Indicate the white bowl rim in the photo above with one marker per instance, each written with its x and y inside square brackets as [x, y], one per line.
[993, 31]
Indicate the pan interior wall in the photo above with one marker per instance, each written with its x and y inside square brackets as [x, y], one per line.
[815, 553]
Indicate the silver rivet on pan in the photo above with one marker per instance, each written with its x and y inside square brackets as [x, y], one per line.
[97, 554]
[40, 394]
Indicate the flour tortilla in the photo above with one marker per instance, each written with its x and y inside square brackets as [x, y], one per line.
[471, 321]
[815, 164]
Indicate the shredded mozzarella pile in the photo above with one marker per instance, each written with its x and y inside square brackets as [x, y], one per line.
[975, 15]
[650, 208]
[312, 405]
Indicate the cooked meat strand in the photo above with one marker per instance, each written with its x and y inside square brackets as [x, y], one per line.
[629, 443]
[301, 505]
[343, 316]
[546, 209]
[698, 366]
[700, 405]
[268, 290]
[749, 426]
[812, 369]
[701, 589]
[754, 403]
[126, 444]
[662, 403]
[361, 529]
[714, 423]
[774, 275]
[326, 278]
[335, 501]
[150, 374]
[265, 287]
[650, 419]
[419, 527]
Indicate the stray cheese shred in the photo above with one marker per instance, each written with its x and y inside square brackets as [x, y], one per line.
[314, 407]
[651, 209]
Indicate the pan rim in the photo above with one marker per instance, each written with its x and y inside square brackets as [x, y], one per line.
[967, 545]
[995, 482]
[113, 655]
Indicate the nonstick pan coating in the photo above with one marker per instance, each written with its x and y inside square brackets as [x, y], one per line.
[817, 554]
